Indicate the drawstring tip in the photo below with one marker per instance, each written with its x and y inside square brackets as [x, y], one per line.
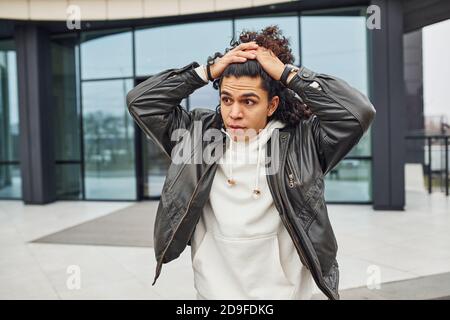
[256, 193]
[231, 182]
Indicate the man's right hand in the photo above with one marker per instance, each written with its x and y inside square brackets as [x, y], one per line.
[239, 54]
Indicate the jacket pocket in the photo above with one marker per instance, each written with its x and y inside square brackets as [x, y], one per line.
[305, 193]
[305, 197]
[314, 193]
[314, 198]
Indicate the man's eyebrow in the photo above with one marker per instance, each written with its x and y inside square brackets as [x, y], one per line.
[246, 95]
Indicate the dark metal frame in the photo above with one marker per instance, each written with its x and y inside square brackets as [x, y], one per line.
[429, 139]
[35, 108]
[388, 95]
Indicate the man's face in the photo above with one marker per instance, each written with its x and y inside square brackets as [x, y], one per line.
[244, 105]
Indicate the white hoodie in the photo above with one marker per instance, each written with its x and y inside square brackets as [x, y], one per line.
[240, 248]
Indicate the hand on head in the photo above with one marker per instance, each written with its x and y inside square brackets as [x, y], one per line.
[249, 50]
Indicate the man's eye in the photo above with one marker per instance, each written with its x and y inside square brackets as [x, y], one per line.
[225, 100]
[249, 102]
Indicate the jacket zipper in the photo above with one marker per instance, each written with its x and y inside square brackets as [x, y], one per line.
[299, 249]
[176, 176]
[291, 232]
[302, 257]
[298, 245]
[291, 174]
[287, 223]
[159, 264]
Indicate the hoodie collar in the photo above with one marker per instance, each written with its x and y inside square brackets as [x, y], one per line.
[260, 139]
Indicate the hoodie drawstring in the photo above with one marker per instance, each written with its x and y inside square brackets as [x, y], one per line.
[230, 181]
[256, 192]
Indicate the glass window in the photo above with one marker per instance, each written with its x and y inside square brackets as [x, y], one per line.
[10, 177]
[179, 45]
[336, 44]
[205, 97]
[155, 167]
[161, 48]
[66, 113]
[68, 181]
[108, 132]
[363, 148]
[106, 54]
[10, 181]
[287, 24]
[349, 181]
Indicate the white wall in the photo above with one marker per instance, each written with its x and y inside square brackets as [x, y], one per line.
[436, 68]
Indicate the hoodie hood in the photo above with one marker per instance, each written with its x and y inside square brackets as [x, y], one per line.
[251, 151]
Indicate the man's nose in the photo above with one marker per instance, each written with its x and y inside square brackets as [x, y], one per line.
[235, 112]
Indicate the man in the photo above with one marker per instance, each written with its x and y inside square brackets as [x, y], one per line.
[255, 217]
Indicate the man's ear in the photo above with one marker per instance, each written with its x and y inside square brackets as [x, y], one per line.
[273, 105]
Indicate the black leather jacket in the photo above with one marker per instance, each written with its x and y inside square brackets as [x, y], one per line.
[306, 153]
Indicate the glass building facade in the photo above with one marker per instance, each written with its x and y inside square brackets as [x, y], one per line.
[341, 50]
[100, 154]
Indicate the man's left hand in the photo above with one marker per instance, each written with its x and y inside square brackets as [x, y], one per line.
[270, 62]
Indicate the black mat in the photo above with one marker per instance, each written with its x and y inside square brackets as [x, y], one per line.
[131, 226]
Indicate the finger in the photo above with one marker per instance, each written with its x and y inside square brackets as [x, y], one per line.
[247, 45]
[234, 59]
[245, 54]
[262, 49]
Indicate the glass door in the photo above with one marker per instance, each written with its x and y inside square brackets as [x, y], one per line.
[151, 164]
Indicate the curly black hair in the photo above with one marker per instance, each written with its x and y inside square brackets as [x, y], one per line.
[291, 108]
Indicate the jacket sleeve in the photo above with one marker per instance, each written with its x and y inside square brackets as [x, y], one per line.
[155, 103]
[341, 114]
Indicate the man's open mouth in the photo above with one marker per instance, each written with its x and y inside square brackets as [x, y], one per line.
[235, 127]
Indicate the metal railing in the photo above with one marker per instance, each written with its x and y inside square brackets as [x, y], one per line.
[435, 159]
